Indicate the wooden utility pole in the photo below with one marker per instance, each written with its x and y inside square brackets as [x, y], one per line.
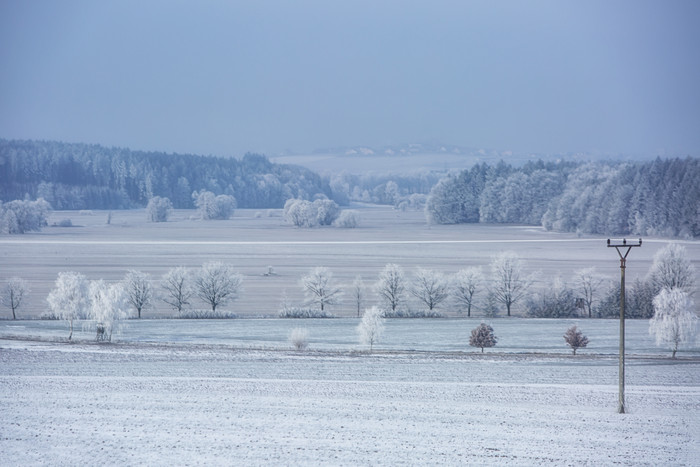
[623, 260]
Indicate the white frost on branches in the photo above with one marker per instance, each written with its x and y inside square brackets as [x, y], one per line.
[510, 284]
[371, 327]
[216, 283]
[430, 287]
[672, 269]
[319, 288]
[108, 306]
[178, 288]
[674, 320]
[465, 284]
[69, 298]
[391, 286]
[139, 293]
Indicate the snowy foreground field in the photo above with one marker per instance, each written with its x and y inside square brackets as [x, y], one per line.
[170, 402]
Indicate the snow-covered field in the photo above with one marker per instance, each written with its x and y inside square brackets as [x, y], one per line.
[231, 392]
[252, 244]
[198, 404]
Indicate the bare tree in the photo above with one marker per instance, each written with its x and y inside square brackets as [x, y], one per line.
[177, 286]
[371, 327]
[391, 286]
[575, 338]
[482, 336]
[319, 288]
[216, 283]
[138, 290]
[69, 298]
[589, 282]
[13, 294]
[672, 269]
[509, 282]
[358, 293]
[430, 287]
[674, 320]
[465, 283]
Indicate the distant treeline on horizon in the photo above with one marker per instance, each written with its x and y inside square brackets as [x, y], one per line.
[83, 176]
[659, 197]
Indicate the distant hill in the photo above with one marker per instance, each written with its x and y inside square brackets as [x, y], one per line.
[412, 158]
[82, 176]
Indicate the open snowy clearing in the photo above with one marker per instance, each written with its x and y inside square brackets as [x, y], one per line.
[185, 404]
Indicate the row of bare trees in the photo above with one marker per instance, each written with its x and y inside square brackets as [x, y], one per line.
[507, 285]
[75, 297]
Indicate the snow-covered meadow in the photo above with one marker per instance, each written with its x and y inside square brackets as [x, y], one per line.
[253, 241]
[233, 392]
[202, 404]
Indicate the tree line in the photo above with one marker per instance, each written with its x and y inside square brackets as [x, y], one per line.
[427, 293]
[660, 197]
[670, 285]
[82, 176]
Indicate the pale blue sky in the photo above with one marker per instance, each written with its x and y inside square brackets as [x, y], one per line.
[226, 77]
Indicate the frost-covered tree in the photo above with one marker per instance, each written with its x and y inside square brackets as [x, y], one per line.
[455, 199]
[69, 298]
[303, 213]
[430, 287]
[13, 294]
[108, 306]
[138, 290]
[176, 283]
[509, 283]
[391, 286]
[555, 301]
[210, 206]
[357, 292]
[482, 336]
[371, 327]
[588, 283]
[319, 288]
[216, 283]
[159, 209]
[327, 211]
[575, 338]
[674, 321]
[300, 213]
[672, 268]
[20, 216]
[465, 284]
[348, 219]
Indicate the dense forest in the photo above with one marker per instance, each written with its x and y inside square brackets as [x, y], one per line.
[82, 176]
[659, 197]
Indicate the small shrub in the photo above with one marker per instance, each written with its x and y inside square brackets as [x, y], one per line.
[371, 327]
[298, 312]
[482, 336]
[299, 338]
[575, 338]
[348, 219]
[64, 223]
[206, 314]
[412, 314]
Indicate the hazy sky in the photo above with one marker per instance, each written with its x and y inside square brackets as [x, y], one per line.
[226, 77]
